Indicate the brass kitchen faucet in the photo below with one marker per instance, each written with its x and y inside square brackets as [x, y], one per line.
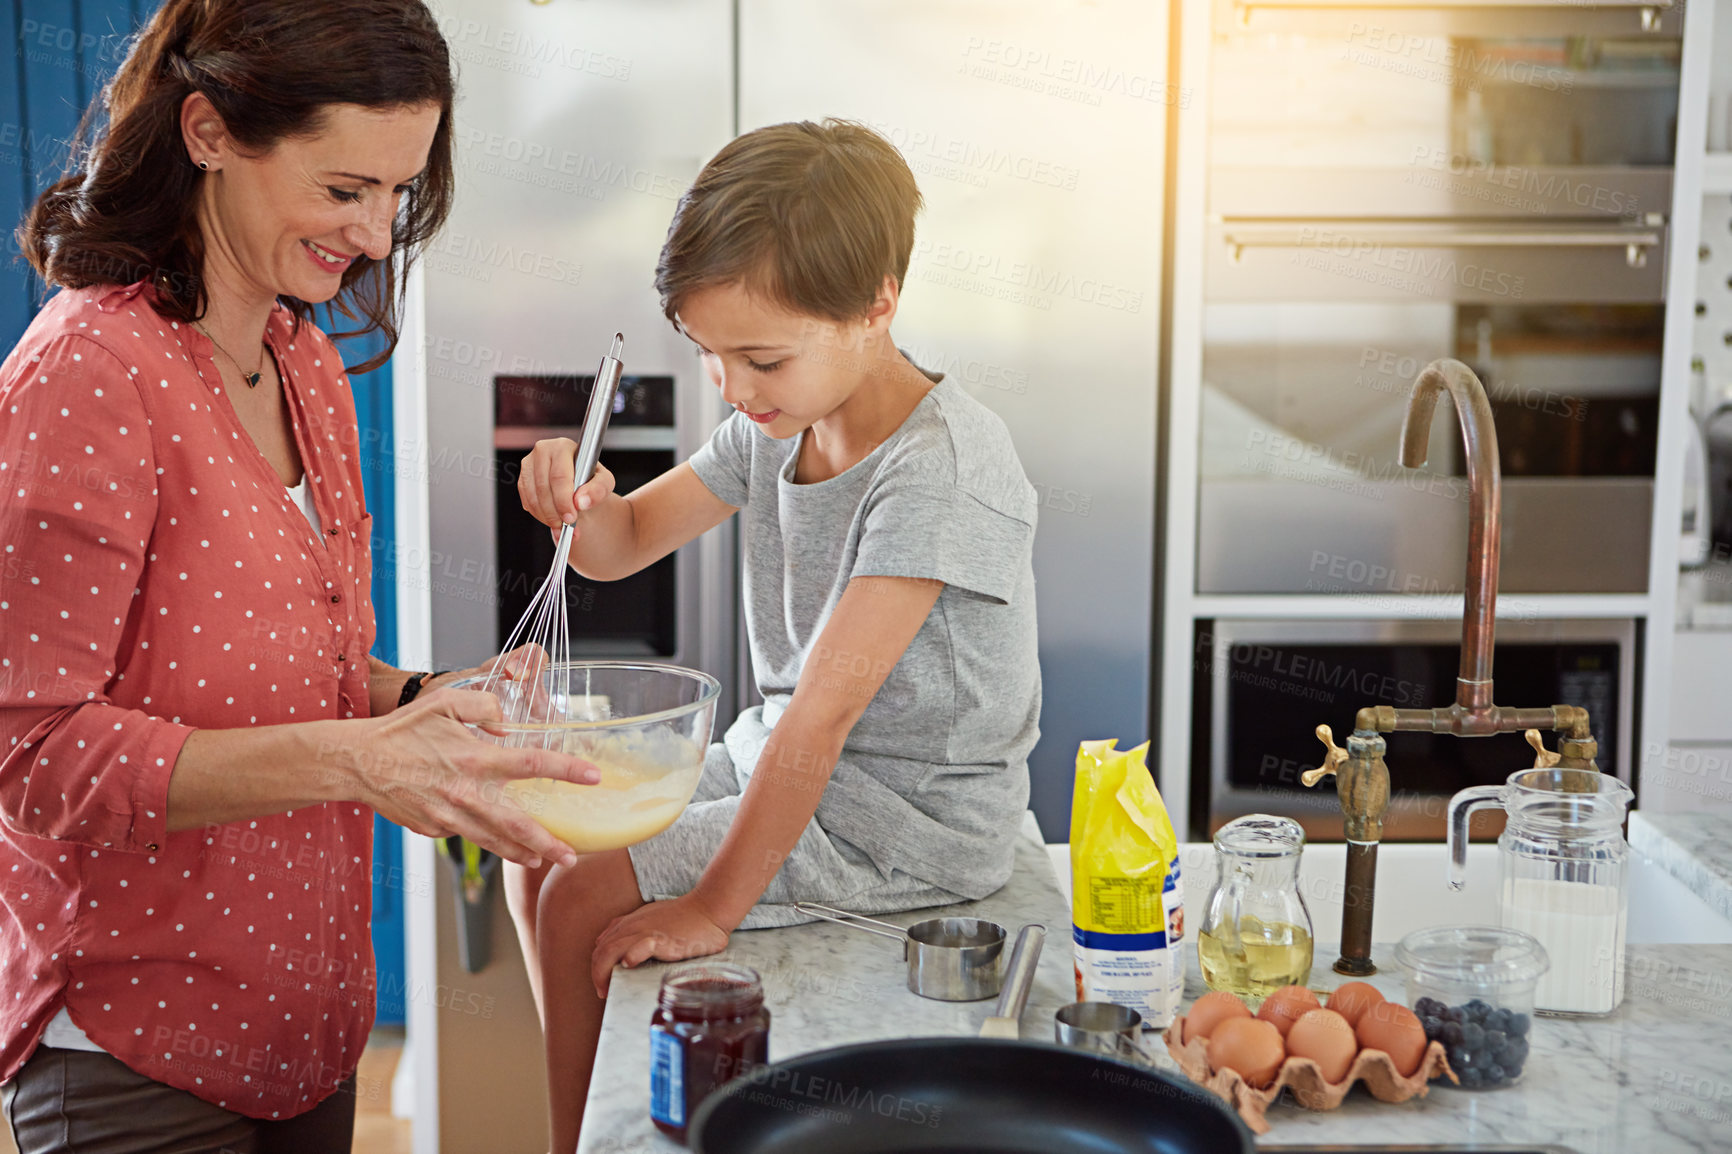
[1361, 777]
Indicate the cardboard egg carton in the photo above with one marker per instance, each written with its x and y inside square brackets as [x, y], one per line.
[1304, 1078]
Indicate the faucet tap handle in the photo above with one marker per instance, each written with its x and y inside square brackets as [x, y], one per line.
[1543, 757]
[1333, 756]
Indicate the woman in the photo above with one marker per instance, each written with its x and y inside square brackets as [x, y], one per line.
[194, 737]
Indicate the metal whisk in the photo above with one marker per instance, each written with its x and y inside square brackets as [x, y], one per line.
[541, 694]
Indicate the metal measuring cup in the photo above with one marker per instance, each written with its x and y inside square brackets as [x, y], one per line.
[1105, 1028]
[949, 959]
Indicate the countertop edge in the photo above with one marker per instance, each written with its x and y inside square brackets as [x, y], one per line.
[1707, 879]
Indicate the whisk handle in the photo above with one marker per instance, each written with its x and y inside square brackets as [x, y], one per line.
[600, 411]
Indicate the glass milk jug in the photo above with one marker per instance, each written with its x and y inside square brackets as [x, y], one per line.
[1564, 867]
[1256, 934]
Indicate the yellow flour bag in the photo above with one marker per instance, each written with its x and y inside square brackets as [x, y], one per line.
[1127, 908]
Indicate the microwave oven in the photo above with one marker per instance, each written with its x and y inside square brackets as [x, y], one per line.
[1263, 686]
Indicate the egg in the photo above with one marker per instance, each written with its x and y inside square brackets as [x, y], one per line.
[1396, 1031]
[1325, 1037]
[1211, 1010]
[1353, 999]
[1251, 1048]
[1286, 1006]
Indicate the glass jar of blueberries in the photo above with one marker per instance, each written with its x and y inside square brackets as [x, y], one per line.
[1473, 989]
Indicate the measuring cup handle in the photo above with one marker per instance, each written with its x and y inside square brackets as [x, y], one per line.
[1137, 1052]
[1019, 974]
[1461, 808]
[854, 921]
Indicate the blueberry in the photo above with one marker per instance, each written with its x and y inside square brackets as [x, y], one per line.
[1473, 1035]
[1494, 1039]
[1463, 1058]
[1432, 1026]
[1427, 1007]
[1494, 1074]
[1498, 1020]
[1453, 1014]
[1451, 1033]
[1469, 1077]
[1518, 1025]
[1517, 1050]
[1477, 1010]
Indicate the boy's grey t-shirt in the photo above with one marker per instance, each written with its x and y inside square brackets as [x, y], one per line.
[933, 779]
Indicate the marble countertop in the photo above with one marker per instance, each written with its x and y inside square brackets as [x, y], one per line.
[826, 985]
[1655, 1077]
[1695, 848]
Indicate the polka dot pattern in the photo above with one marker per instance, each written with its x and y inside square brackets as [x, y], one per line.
[159, 580]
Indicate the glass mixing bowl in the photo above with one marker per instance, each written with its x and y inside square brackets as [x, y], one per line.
[646, 727]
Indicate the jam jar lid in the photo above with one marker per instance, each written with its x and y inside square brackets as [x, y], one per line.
[721, 988]
[1482, 955]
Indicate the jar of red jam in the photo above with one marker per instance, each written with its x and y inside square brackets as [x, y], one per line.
[710, 1026]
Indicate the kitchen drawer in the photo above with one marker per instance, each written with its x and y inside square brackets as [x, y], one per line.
[1686, 777]
[1509, 262]
[1356, 18]
[1436, 183]
[1701, 673]
[1341, 533]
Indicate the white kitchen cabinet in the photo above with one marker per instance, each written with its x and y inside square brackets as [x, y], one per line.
[1702, 687]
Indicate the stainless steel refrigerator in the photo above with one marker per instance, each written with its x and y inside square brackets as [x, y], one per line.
[1037, 131]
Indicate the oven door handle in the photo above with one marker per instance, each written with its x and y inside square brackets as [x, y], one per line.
[1649, 12]
[1353, 237]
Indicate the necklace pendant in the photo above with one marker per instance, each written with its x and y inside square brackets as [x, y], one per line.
[252, 379]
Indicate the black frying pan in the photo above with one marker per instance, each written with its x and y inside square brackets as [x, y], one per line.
[963, 1096]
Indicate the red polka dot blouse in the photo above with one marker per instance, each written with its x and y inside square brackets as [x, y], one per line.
[156, 578]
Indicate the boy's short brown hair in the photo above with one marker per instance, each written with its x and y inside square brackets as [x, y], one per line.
[810, 216]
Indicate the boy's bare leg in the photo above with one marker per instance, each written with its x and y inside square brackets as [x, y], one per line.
[522, 892]
[575, 905]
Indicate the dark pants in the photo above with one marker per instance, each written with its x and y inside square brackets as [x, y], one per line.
[81, 1102]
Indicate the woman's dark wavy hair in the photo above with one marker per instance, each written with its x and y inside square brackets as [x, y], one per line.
[125, 211]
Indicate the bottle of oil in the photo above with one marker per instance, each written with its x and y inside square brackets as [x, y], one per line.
[1260, 959]
[1256, 932]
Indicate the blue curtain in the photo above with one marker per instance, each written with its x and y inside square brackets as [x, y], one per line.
[63, 52]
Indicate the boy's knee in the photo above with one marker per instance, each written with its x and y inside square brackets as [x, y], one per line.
[522, 885]
[599, 881]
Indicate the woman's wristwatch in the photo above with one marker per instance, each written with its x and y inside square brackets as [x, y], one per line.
[412, 686]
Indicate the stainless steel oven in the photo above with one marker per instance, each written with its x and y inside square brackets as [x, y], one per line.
[1391, 183]
[636, 616]
[1262, 688]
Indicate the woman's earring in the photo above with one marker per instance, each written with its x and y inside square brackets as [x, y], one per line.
[204, 166]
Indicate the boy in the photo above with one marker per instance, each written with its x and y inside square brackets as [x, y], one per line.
[887, 527]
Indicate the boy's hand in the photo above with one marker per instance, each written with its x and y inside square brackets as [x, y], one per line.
[544, 484]
[669, 931]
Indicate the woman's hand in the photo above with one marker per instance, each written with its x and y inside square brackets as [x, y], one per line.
[669, 931]
[421, 767]
[545, 484]
[525, 663]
